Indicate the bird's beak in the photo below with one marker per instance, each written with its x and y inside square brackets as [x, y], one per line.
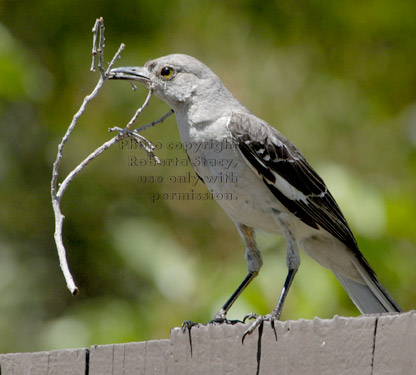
[139, 74]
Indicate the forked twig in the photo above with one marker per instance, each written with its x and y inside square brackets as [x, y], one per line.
[142, 141]
[57, 193]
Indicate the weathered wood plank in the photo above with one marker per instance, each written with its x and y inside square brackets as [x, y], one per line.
[57, 362]
[324, 347]
[395, 345]
[140, 358]
[213, 350]
[343, 345]
[373, 345]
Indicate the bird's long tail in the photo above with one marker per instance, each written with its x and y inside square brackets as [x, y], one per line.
[369, 296]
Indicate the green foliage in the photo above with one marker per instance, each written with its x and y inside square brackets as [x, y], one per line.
[337, 78]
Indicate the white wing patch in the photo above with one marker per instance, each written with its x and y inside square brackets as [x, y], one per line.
[288, 176]
[284, 186]
[288, 190]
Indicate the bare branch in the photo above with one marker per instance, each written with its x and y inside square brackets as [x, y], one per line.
[113, 60]
[59, 218]
[84, 163]
[56, 196]
[139, 139]
[143, 142]
[94, 42]
[122, 133]
[101, 46]
[68, 133]
[135, 136]
[139, 111]
[153, 123]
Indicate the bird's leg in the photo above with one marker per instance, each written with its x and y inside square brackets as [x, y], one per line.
[277, 311]
[254, 263]
[292, 262]
[220, 316]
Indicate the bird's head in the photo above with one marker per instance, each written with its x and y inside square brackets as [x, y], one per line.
[176, 79]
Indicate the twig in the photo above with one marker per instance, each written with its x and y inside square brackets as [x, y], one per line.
[113, 60]
[57, 195]
[122, 133]
[134, 134]
[153, 123]
[84, 103]
[94, 42]
[139, 111]
[101, 46]
[65, 183]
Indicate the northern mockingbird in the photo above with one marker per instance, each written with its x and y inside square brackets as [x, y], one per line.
[274, 189]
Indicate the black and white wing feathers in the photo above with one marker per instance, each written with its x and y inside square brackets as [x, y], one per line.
[289, 176]
[298, 187]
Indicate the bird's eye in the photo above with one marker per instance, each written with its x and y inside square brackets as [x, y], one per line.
[167, 72]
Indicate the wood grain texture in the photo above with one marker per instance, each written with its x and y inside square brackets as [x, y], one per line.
[373, 345]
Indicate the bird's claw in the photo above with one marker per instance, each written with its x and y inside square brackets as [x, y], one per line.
[221, 318]
[224, 320]
[218, 319]
[250, 316]
[187, 325]
[259, 321]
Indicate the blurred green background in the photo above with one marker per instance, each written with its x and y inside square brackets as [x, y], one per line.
[337, 78]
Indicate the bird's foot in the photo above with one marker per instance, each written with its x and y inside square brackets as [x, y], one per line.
[221, 318]
[187, 325]
[218, 321]
[259, 321]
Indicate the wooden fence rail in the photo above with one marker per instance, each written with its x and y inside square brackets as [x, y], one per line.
[373, 345]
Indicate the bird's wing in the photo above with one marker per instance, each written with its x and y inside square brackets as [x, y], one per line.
[298, 187]
[289, 176]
